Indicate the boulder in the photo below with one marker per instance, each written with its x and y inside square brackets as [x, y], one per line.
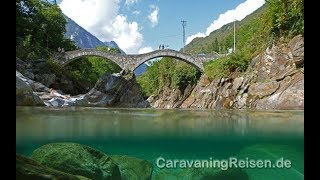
[132, 168]
[24, 94]
[77, 159]
[117, 91]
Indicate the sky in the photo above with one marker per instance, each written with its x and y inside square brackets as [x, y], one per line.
[140, 26]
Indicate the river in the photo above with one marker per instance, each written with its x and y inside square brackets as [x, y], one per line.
[171, 134]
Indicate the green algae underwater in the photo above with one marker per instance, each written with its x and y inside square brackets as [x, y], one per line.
[170, 138]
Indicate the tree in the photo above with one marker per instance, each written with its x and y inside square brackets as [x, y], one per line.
[40, 28]
[215, 45]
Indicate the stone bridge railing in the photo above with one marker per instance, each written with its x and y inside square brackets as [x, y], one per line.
[132, 61]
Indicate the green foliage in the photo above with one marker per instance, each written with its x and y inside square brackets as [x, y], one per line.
[183, 75]
[254, 34]
[215, 68]
[84, 72]
[149, 80]
[102, 65]
[170, 73]
[287, 17]
[55, 67]
[215, 45]
[40, 27]
[222, 67]
[90, 69]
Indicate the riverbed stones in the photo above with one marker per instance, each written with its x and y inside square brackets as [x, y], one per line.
[77, 159]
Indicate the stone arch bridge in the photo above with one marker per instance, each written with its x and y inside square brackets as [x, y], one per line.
[133, 61]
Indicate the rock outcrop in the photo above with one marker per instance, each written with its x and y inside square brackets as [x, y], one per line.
[24, 92]
[112, 90]
[274, 80]
[170, 98]
[116, 90]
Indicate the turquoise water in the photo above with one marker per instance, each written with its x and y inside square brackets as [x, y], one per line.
[172, 134]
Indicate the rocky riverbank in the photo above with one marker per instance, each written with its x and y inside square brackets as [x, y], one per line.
[274, 80]
[112, 90]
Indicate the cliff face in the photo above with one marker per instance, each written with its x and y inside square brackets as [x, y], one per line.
[170, 98]
[274, 80]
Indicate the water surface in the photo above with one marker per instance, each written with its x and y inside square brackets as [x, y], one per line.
[172, 134]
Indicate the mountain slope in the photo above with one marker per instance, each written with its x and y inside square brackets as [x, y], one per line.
[80, 36]
[83, 38]
[205, 44]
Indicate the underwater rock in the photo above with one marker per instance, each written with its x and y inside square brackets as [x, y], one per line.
[133, 168]
[27, 168]
[77, 159]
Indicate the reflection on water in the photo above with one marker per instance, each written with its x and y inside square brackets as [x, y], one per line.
[52, 123]
[175, 134]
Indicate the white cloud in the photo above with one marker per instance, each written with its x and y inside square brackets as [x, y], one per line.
[145, 50]
[136, 12]
[129, 2]
[153, 17]
[240, 12]
[190, 38]
[102, 19]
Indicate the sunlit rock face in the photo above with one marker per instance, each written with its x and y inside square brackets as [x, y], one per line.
[274, 80]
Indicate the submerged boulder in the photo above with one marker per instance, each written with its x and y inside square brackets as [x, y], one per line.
[133, 168]
[77, 159]
[27, 168]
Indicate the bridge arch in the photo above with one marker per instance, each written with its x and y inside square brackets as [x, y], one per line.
[131, 62]
[76, 54]
[168, 53]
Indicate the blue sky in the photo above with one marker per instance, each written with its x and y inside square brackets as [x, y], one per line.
[139, 26]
